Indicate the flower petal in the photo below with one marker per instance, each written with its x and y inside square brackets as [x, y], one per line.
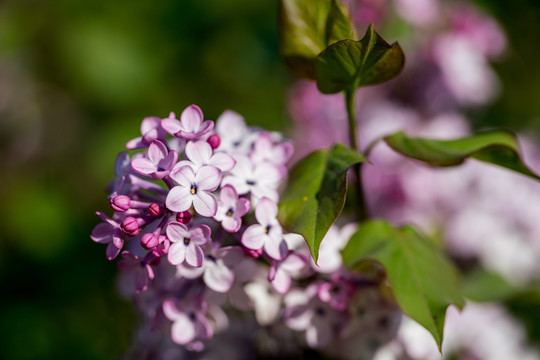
[191, 118]
[143, 166]
[112, 251]
[170, 310]
[218, 277]
[199, 152]
[194, 255]
[169, 161]
[205, 204]
[266, 211]
[275, 249]
[183, 175]
[102, 233]
[282, 281]
[183, 330]
[231, 224]
[157, 151]
[228, 196]
[179, 199]
[171, 124]
[238, 183]
[177, 253]
[254, 237]
[222, 161]
[200, 234]
[208, 178]
[177, 232]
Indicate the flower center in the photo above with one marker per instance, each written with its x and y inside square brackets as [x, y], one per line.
[193, 189]
[230, 212]
[186, 241]
[212, 258]
[250, 182]
[267, 229]
[320, 311]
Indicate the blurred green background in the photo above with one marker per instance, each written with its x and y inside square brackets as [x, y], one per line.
[76, 79]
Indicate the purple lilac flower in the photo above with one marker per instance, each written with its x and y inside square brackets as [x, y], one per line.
[231, 208]
[151, 130]
[194, 188]
[189, 320]
[267, 233]
[158, 163]
[281, 272]
[191, 125]
[186, 243]
[139, 269]
[264, 150]
[233, 132]
[108, 232]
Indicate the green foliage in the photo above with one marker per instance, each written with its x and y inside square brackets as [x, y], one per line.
[481, 285]
[495, 147]
[349, 64]
[424, 281]
[315, 193]
[307, 28]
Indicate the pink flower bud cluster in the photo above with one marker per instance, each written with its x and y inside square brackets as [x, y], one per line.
[195, 226]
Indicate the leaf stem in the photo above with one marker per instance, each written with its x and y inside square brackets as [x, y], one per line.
[351, 116]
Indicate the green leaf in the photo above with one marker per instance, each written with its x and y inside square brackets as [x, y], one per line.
[495, 147]
[481, 285]
[306, 28]
[424, 281]
[315, 193]
[349, 64]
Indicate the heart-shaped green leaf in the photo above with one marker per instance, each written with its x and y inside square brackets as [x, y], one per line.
[315, 193]
[348, 64]
[424, 281]
[495, 147]
[306, 28]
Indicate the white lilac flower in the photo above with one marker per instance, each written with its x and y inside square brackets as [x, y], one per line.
[261, 180]
[200, 153]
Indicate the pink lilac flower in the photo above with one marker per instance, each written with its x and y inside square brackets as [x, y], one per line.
[281, 272]
[151, 130]
[139, 269]
[187, 243]
[267, 233]
[231, 208]
[260, 180]
[108, 232]
[158, 163]
[305, 312]
[189, 320]
[200, 153]
[336, 292]
[217, 270]
[191, 125]
[264, 149]
[194, 188]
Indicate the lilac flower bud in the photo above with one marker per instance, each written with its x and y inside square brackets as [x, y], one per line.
[183, 217]
[214, 141]
[154, 209]
[130, 226]
[149, 241]
[120, 203]
[163, 247]
[253, 253]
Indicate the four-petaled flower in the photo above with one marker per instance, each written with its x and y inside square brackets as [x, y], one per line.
[194, 188]
[158, 163]
[187, 243]
[189, 320]
[267, 233]
[151, 130]
[191, 125]
[231, 209]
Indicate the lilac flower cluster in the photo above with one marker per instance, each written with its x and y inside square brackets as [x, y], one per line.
[195, 226]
